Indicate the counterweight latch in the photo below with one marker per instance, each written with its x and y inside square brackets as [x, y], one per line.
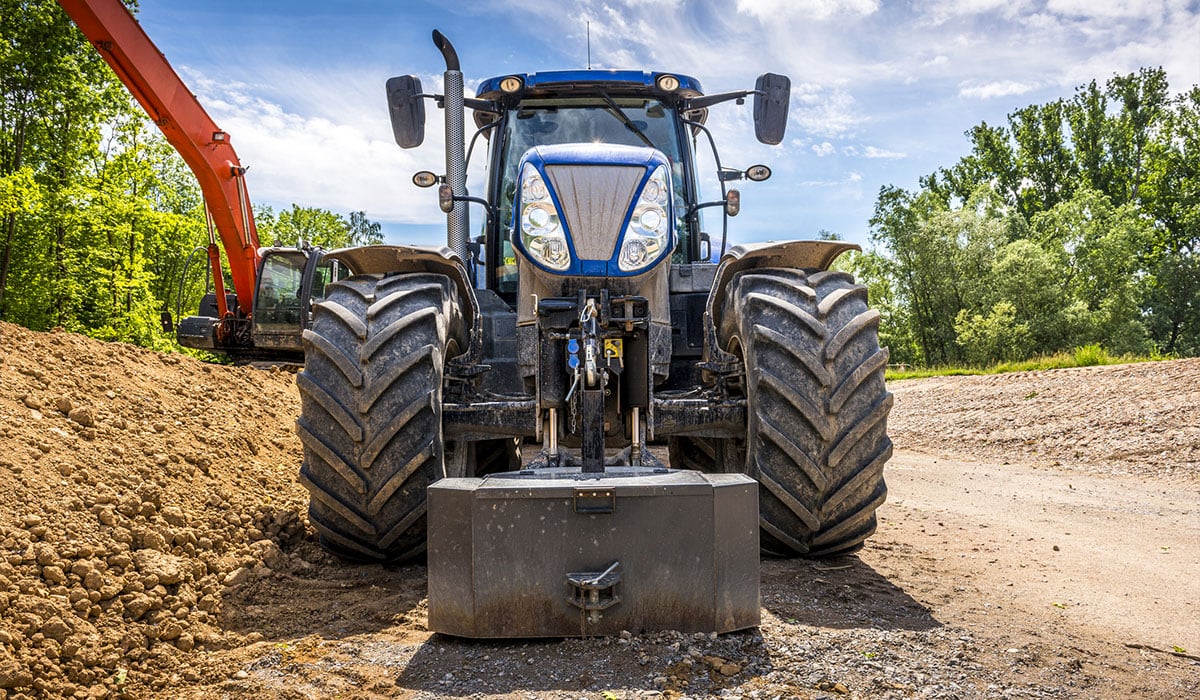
[595, 591]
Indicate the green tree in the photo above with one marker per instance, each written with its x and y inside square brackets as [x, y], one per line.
[363, 231]
[317, 227]
[1081, 216]
[1171, 195]
[1144, 102]
[1043, 156]
[939, 259]
[1026, 276]
[996, 337]
[54, 93]
[1098, 249]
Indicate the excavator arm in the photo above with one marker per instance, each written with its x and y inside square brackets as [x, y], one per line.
[123, 44]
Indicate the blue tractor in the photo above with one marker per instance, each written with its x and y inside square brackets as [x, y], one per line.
[589, 329]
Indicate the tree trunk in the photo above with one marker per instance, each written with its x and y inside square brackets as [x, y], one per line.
[10, 226]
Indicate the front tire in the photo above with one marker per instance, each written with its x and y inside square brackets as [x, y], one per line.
[817, 407]
[370, 413]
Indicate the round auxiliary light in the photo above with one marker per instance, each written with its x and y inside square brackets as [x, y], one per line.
[424, 179]
[511, 84]
[653, 191]
[539, 218]
[535, 189]
[668, 83]
[758, 173]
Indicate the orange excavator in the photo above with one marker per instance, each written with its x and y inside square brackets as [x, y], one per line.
[273, 287]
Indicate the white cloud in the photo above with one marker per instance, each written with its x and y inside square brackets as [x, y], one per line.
[1108, 9]
[943, 11]
[851, 178]
[823, 149]
[1000, 88]
[775, 10]
[873, 152]
[824, 112]
[339, 156]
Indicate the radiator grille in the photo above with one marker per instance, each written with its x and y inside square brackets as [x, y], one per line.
[595, 199]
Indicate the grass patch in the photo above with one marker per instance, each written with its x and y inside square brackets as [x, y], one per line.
[1086, 356]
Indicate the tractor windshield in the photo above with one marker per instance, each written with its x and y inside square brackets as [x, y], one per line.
[541, 122]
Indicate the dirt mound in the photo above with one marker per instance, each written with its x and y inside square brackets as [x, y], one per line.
[137, 487]
[1139, 418]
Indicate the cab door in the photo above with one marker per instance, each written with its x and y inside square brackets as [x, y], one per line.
[289, 282]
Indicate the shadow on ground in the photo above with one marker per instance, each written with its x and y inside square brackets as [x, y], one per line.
[839, 593]
[316, 593]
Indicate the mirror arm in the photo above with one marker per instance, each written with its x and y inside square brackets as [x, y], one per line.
[724, 194]
[704, 205]
[710, 100]
[480, 130]
[489, 106]
[488, 208]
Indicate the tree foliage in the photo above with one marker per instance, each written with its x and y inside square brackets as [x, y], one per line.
[1075, 223]
[317, 227]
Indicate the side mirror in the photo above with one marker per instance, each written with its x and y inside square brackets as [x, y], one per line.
[771, 93]
[406, 107]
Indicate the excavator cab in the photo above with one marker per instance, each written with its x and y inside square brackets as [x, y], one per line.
[290, 281]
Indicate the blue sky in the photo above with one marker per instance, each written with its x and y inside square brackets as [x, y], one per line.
[881, 91]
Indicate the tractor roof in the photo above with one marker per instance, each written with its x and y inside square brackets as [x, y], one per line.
[584, 82]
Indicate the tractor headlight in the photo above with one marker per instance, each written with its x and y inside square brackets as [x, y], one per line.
[541, 234]
[649, 229]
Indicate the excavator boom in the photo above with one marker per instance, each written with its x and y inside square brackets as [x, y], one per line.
[123, 44]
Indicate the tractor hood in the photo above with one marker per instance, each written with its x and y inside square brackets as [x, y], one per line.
[594, 210]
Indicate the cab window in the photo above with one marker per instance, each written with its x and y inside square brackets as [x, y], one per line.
[277, 305]
[328, 272]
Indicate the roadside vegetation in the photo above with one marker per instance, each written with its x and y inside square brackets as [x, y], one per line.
[1086, 356]
[1074, 225]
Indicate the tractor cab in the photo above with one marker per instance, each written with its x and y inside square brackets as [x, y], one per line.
[609, 108]
[658, 111]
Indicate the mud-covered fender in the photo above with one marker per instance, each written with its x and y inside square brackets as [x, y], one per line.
[382, 259]
[800, 255]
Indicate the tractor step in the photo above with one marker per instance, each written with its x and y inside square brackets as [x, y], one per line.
[561, 553]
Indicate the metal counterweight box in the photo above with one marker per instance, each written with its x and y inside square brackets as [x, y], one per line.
[559, 553]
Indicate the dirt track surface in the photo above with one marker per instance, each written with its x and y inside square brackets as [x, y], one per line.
[1041, 539]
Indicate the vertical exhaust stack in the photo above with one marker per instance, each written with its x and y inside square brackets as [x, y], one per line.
[456, 160]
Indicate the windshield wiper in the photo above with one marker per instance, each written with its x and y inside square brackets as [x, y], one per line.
[624, 119]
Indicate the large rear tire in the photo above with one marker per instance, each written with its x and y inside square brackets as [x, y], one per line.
[370, 410]
[817, 407]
